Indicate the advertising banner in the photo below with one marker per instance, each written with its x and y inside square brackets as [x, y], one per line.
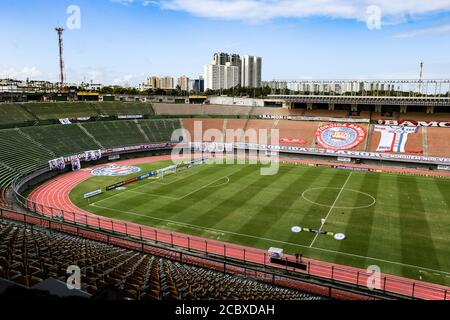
[92, 194]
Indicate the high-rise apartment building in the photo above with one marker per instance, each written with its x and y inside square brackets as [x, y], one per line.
[159, 83]
[183, 83]
[166, 83]
[251, 72]
[153, 82]
[224, 71]
[229, 70]
[198, 85]
[218, 77]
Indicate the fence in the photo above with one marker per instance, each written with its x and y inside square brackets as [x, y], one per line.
[336, 273]
[236, 268]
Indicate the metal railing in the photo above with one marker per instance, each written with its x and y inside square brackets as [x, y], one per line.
[341, 274]
[192, 257]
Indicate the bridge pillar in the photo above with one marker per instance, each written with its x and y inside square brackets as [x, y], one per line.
[354, 107]
[309, 106]
[287, 104]
[403, 109]
[430, 110]
[331, 106]
[378, 108]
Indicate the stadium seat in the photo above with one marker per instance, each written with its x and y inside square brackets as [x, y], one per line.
[27, 256]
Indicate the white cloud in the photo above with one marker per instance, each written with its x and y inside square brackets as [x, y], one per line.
[424, 31]
[123, 2]
[263, 10]
[150, 2]
[22, 74]
[124, 80]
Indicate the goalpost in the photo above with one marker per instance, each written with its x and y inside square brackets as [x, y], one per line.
[174, 169]
[166, 171]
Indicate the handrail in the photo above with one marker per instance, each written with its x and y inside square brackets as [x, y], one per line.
[393, 284]
[349, 275]
[275, 276]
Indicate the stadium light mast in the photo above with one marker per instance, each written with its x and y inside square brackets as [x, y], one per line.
[60, 30]
[421, 77]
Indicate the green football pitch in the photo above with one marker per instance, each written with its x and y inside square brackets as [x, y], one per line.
[400, 223]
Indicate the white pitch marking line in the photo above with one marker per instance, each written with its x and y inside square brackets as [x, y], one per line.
[143, 185]
[152, 194]
[271, 240]
[331, 208]
[194, 191]
[157, 181]
[169, 197]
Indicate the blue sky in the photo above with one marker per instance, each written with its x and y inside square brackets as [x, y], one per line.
[123, 41]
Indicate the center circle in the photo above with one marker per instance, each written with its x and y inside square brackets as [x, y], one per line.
[308, 194]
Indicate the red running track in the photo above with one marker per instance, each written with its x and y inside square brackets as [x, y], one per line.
[53, 197]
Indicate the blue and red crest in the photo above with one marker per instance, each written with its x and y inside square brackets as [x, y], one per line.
[340, 136]
[115, 171]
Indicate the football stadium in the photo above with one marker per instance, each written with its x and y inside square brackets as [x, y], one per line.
[148, 204]
[224, 158]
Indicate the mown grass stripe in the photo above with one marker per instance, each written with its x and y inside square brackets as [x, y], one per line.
[235, 200]
[359, 223]
[416, 238]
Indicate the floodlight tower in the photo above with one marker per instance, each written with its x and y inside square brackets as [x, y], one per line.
[420, 77]
[60, 30]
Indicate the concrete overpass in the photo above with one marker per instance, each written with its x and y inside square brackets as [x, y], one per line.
[372, 100]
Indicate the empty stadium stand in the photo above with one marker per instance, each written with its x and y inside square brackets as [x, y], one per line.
[159, 130]
[203, 125]
[326, 113]
[3, 202]
[22, 153]
[305, 133]
[18, 113]
[421, 116]
[44, 111]
[61, 140]
[30, 148]
[14, 113]
[29, 256]
[120, 133]
[438, 141]
[127, 108]
[219, 110]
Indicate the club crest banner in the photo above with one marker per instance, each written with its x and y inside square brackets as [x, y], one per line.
[393, 138]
